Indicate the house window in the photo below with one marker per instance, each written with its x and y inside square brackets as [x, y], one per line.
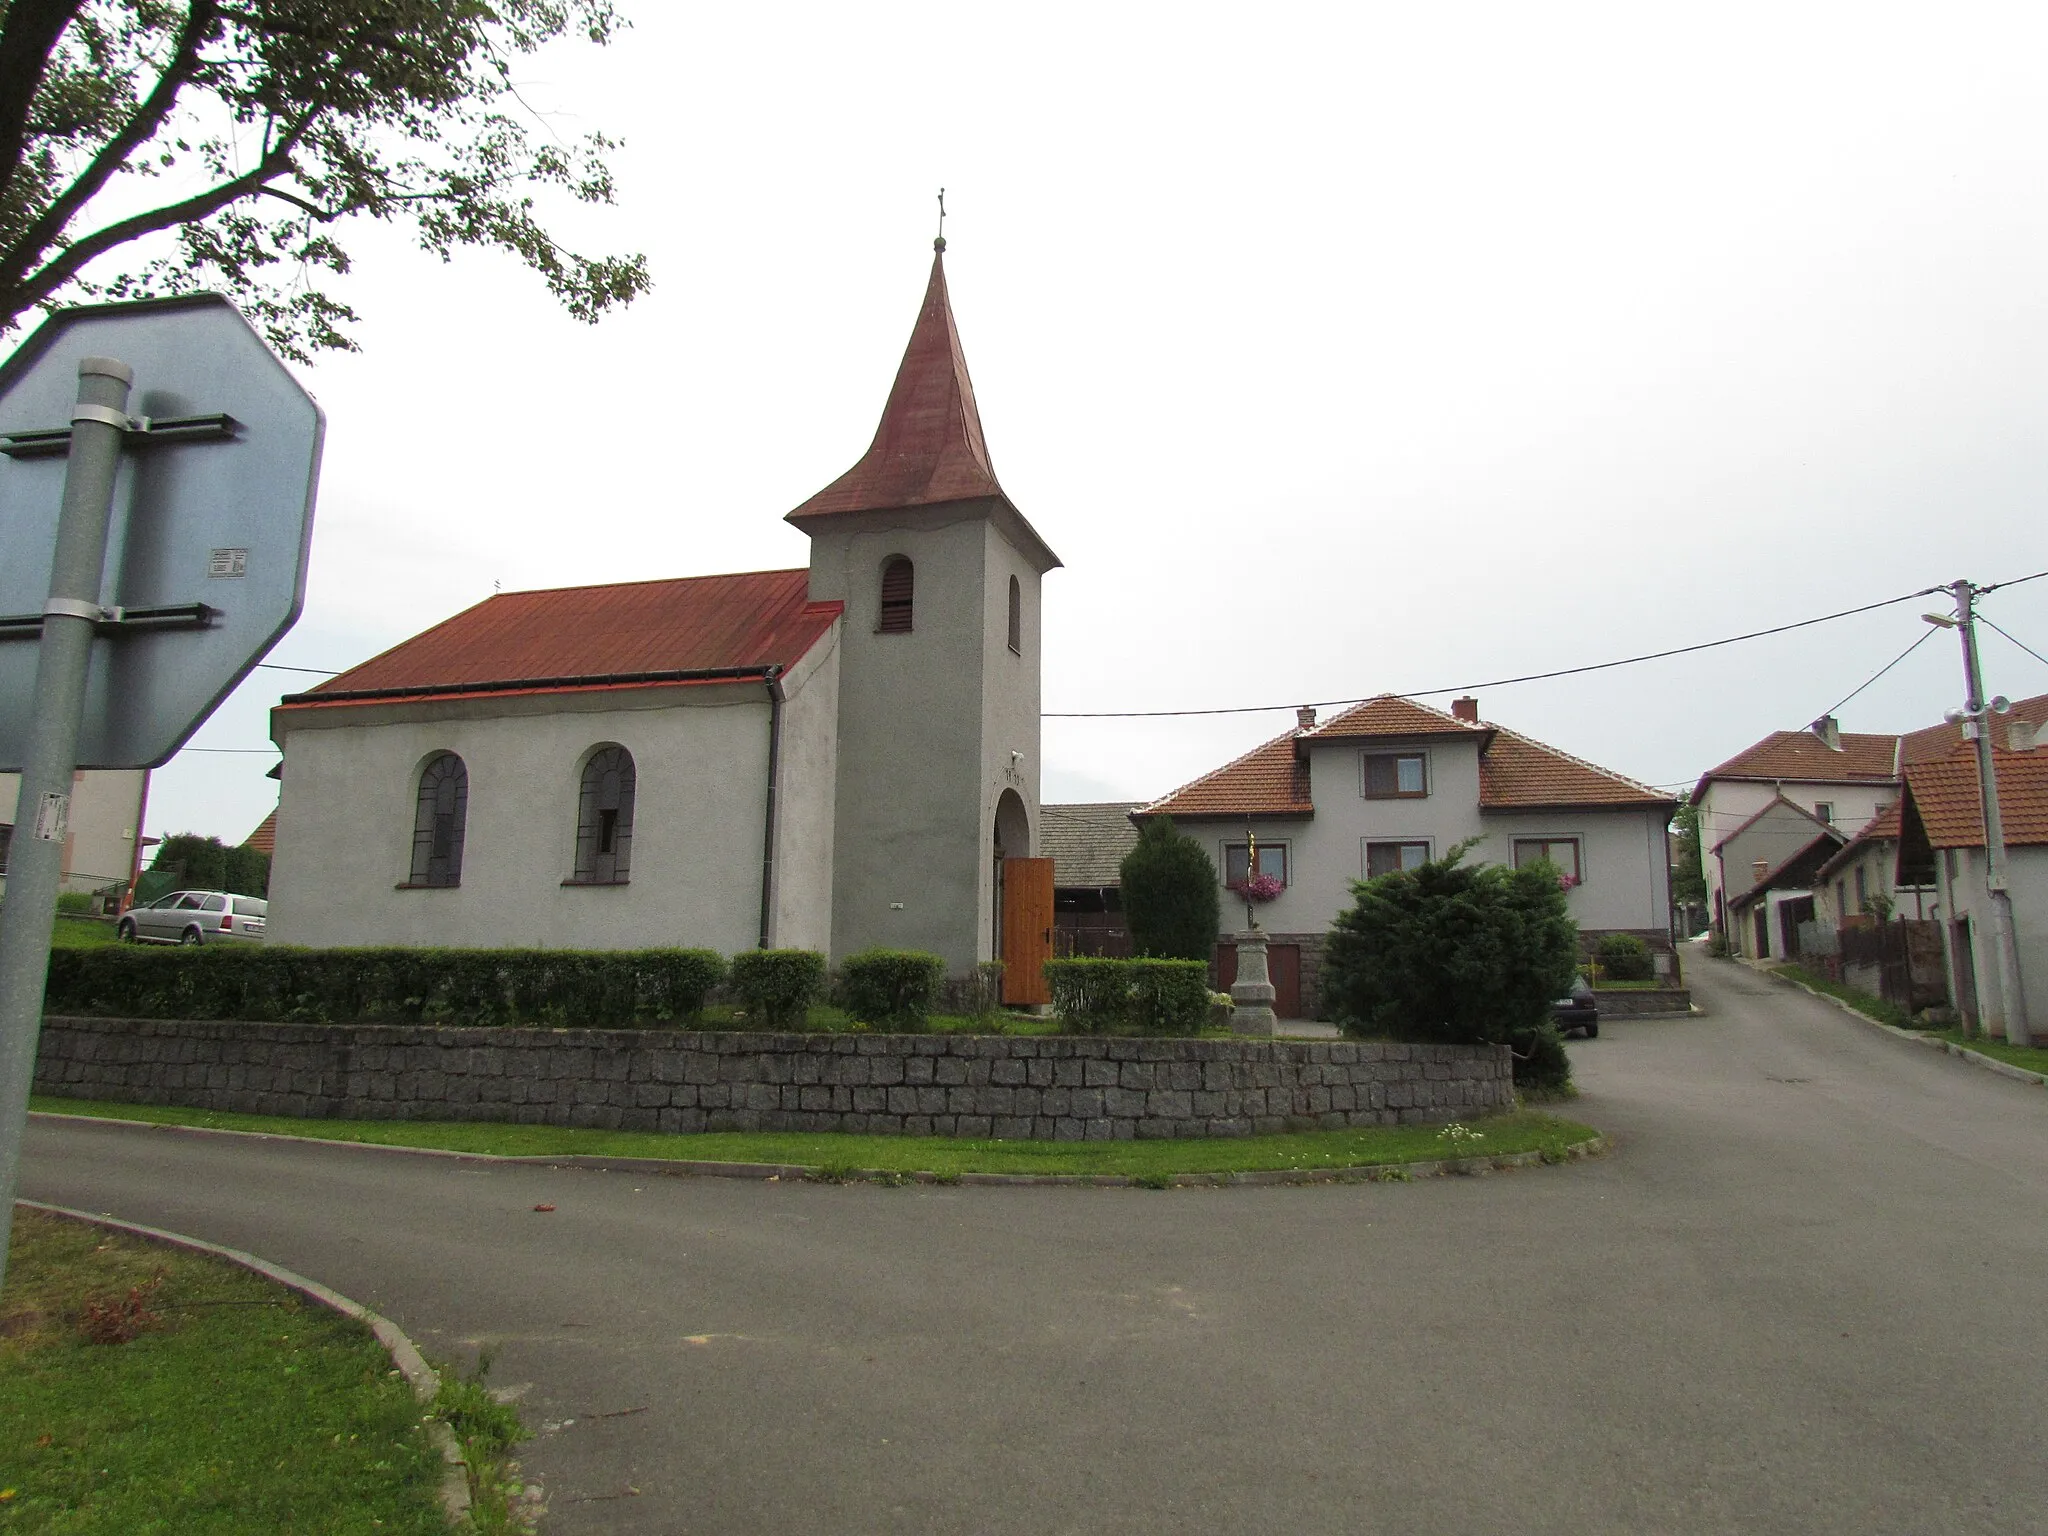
[1561, 851]
[899, 580]
[1841, 899]
[442, 812]
[1016, 617]
[1862, 889]
[604, 819]
[1825, 810]
[1396, 775]
[1388, 858]
[1272, 861]
[6, 843]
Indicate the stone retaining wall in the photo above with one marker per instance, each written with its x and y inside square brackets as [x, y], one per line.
[1619, 1005]
[1060, 1088]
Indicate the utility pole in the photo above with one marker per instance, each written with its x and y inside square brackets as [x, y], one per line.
[1976, 724]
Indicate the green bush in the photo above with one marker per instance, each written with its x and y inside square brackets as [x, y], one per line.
[1096, 996]
[776, 987]
[74, 903]
[599, 989]
[1170, 893]
[1455, 954]
[1624, 957]
[892, 988]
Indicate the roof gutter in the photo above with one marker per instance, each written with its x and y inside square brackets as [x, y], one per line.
[775, 698]
[763, 671]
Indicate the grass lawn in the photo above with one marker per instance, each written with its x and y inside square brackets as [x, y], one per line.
[1523, 1131]
[1870, 1007]
[243, 1408]
[2033, 1058]
[82, 933]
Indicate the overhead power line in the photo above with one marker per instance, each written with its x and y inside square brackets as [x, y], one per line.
[1919, 640]
[1503, 682]
[2016, 641]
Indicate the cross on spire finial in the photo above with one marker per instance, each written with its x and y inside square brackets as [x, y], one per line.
[940, 243]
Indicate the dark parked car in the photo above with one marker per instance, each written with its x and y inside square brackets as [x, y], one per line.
[194, 917]
[1579, 1010]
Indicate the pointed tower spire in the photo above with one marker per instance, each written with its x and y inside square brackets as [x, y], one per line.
[929, 447]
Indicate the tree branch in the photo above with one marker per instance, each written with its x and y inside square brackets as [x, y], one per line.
[137, 131]
[40, 285]
[27, 39]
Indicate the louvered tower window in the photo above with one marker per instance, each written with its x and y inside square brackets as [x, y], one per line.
[899, 579]
[439, 817]
[604, 818]
[1016, 617]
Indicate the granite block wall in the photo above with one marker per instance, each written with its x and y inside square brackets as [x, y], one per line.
[1060, 1088]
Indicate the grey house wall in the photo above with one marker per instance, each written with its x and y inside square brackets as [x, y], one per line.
[927, 724]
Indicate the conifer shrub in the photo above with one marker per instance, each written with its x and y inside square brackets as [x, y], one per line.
[1624, 957]
[558, 988]
[1170, 894]
[1456, 954]
[776, 987]
[1098, 996]
[895, 989]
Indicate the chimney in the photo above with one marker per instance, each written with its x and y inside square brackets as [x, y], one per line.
[1305, 718]
[1466, 709]
[1829, 730]
[2020, 735]
[1760, 868]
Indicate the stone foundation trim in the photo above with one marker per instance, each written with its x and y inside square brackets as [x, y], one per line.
[1021, 1088]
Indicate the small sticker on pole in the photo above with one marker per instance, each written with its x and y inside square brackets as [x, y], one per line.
[53, 815]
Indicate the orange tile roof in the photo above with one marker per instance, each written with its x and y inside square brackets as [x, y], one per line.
[1945, 795]
[1804, 757]
[1517, 771]
[929, 447]
[571, 637]
[1937, 741]
[1269, 780]
[1391, 715]
[264, 838]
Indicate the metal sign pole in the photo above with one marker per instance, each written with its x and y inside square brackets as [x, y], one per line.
[36, 858]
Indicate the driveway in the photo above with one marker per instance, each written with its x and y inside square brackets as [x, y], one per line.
[1807, 1293]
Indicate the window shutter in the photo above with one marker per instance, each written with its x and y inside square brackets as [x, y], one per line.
[899, 579]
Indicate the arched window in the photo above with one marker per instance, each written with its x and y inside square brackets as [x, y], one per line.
[438, 821]
[604, 818]
[899, 578]
[1016, 617]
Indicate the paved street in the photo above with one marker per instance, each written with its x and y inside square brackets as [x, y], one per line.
[1807, 1293]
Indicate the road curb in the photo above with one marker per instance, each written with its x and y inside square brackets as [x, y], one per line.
[405, 1355]
[800, 1173]
[1927, 1042]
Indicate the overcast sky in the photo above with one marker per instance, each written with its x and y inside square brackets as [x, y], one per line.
[1336, 349]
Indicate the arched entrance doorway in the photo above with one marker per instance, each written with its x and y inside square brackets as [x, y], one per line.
[1022, 936]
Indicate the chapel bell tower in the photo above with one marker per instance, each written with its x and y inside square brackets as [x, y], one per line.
[938, 673]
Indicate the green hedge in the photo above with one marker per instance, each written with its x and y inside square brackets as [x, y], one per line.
[1096, 996]
[776, 987]
[894, 989]
[555, 987]
[1624, 957]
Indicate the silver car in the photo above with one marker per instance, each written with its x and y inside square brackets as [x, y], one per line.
[194, 917]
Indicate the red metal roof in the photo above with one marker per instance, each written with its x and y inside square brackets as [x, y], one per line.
[1945, 795]
[554, 639]
[929, 447]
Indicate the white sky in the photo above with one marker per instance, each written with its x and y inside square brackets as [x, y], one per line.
[1336, 349]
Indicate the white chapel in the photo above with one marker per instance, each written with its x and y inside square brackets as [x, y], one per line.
[828, 758]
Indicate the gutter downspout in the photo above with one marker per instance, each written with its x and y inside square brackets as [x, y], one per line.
[775, 697]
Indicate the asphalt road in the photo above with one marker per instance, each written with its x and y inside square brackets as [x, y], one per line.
[1807, 1293]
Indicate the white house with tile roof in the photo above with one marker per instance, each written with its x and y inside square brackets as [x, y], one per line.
[1843, 778]
[832, 757]
[1389, 783]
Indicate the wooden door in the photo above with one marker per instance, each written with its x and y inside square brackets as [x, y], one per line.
[1027, 930]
